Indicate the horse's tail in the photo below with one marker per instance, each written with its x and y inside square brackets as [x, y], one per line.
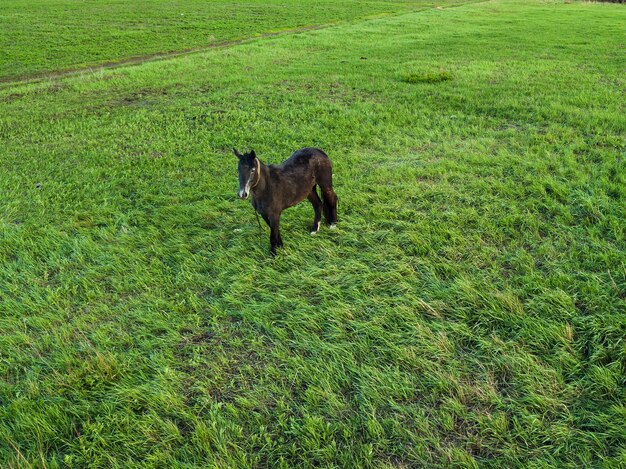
[324, 179]
[329, 199]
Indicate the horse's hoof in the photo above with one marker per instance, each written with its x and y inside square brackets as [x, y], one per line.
[333, 227]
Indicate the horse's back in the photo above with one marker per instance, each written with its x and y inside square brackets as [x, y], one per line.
[304, 157]
[307, 166]
[309, 152]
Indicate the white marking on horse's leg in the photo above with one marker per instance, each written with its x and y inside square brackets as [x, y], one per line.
[333, 227]
[316, 228]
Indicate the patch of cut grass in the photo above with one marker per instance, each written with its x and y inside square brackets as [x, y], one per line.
[38, 36]
[427, 77]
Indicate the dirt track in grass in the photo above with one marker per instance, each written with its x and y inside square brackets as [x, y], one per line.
[140, 59]
[143, 58]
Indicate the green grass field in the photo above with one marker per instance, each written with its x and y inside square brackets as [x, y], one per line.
[39, 36]
[470, 309]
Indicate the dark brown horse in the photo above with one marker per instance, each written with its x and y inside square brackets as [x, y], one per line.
[277, 187]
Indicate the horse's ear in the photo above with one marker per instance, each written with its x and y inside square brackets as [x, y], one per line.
[237, 154]
[252, 154]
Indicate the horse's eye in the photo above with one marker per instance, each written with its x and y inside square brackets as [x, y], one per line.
[253, 170]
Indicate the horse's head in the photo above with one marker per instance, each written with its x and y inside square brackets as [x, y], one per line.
[249, 168]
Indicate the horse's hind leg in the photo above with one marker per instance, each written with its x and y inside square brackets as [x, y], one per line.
[330, 205]
[325, 182]
[324, 179]
[317, 207]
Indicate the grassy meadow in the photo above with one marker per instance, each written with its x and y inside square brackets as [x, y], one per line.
[469, 310]
[44, 36]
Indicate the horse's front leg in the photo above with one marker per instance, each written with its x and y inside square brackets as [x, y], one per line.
[275, 239]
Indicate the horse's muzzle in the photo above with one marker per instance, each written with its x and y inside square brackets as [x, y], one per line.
[243, 194]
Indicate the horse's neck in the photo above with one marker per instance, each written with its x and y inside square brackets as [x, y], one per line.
[264, 179]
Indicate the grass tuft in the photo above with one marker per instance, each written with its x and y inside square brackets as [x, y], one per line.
[427, 77]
